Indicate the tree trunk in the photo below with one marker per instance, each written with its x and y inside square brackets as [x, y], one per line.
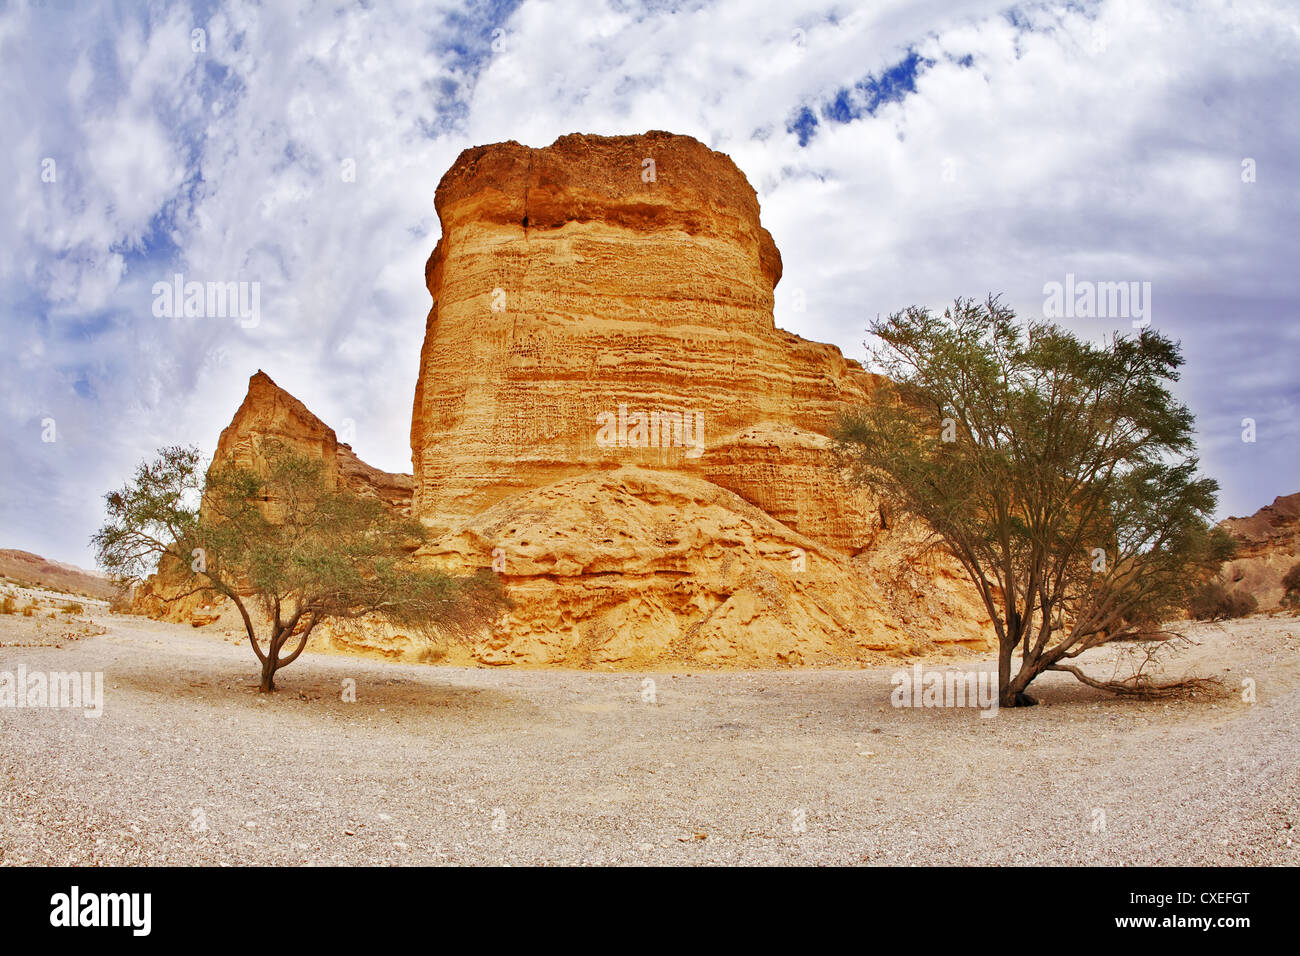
[1006, 697]
[1013, 695]
[268, 671]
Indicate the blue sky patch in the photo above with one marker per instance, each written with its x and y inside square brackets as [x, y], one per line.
[863, 98]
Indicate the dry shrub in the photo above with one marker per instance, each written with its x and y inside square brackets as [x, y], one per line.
[432, 654]
[1216, 602]
[120, 602]
[1291, 584]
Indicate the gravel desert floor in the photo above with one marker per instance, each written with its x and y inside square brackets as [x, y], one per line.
[187, 764]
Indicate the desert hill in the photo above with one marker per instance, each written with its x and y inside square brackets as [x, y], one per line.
[32, 569]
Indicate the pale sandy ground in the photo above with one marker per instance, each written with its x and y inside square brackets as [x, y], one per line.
[188, 765]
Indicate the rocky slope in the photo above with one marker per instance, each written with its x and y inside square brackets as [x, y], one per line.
[270, 413]
[636, 567]
[1268, 544]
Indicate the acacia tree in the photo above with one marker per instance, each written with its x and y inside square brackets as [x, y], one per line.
[1058, 472]
[279, 539]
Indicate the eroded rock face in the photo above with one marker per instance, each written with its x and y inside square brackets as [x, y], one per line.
[634, 567]
[607, 412]
[1268, 544]
[571, 296]
[270, 413]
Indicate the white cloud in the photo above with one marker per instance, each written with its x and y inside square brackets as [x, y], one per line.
[1105, 140]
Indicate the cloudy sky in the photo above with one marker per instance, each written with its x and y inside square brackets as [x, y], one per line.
[903, 152]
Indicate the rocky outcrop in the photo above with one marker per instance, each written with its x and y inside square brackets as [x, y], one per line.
[634, 567]
[587, 314]
[791, 474]
[270, 413]
[1268, 545]
[607, 414]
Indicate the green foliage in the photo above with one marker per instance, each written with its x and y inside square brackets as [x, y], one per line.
[150, 515]
[1058, 471]
[279, 535]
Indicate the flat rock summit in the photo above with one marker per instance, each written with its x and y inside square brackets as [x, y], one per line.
[607, 416]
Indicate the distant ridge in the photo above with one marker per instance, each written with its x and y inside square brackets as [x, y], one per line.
[31, 569]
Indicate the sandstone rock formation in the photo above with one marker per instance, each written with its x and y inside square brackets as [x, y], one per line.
[1268, 544]
[566, 287]
[269, 412]
[607, 416]
[634, 567]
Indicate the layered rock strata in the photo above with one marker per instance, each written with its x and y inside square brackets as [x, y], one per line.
[607, 414]
[270, 414]
[1268, 545]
